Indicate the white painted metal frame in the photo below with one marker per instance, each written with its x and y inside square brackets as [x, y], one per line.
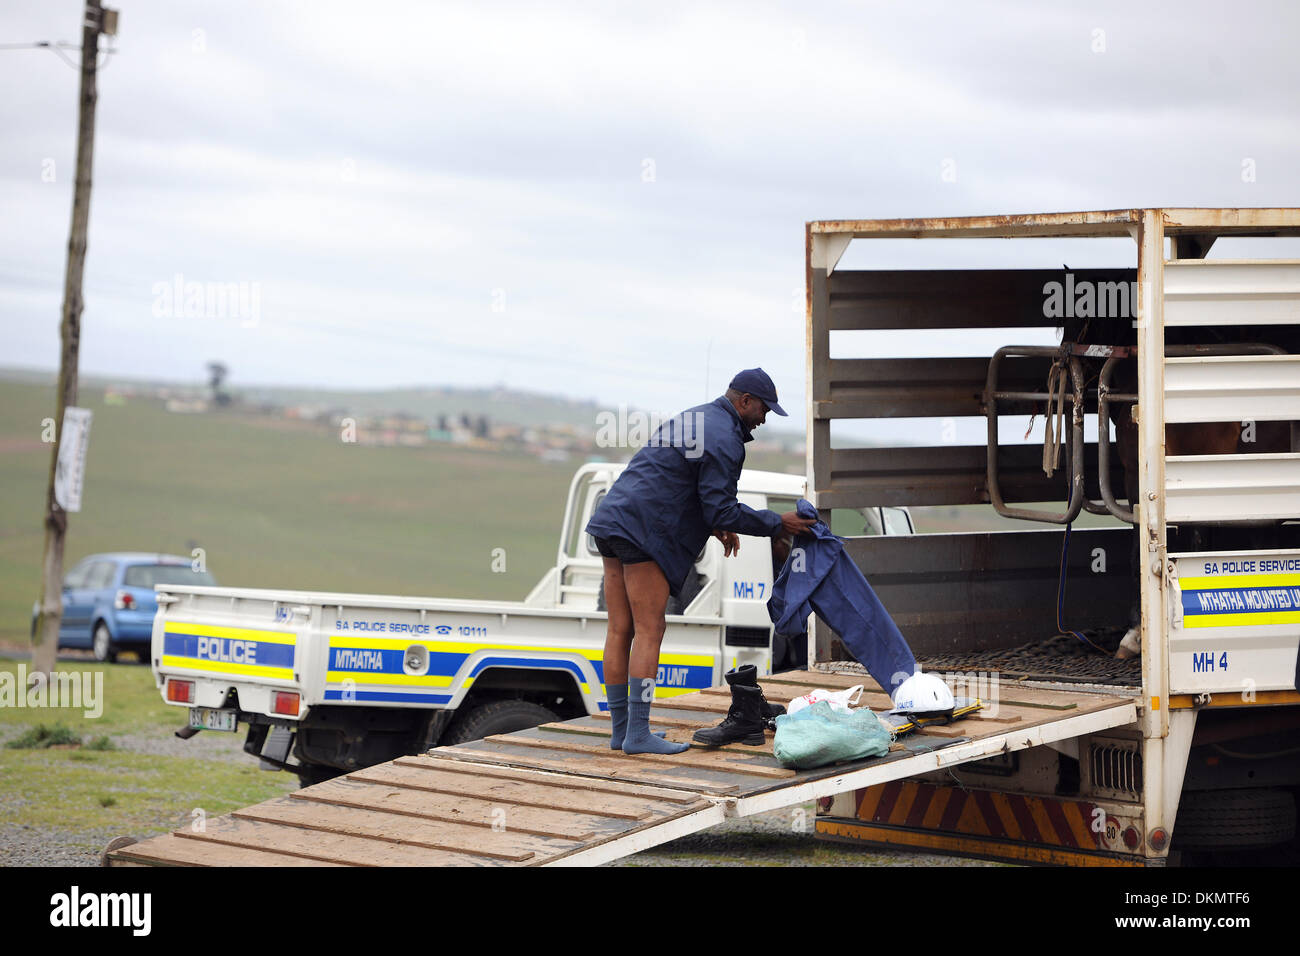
[1154, 713]
[1262, 292]
[1232, 388]
[1200, 488]
[1176, 746]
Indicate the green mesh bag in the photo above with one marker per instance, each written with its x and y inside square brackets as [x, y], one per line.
[819, 735]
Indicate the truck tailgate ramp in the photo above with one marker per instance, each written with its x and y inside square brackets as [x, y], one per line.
[556, 794]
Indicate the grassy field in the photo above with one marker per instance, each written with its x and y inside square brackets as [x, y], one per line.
[276, 506]
[272, 505]
[143, 782]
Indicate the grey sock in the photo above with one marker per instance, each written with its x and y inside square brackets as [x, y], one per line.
[617, 696]
[638, 739]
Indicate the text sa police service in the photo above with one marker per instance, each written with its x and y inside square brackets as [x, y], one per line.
[392, 627]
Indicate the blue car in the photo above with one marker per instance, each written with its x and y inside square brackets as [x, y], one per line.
[109, 602]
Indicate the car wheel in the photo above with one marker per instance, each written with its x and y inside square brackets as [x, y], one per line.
[498, 717]
[102, 644]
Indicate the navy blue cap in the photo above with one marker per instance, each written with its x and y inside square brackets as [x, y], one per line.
[759, 384]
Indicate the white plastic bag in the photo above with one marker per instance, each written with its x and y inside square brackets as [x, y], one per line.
[840, 700]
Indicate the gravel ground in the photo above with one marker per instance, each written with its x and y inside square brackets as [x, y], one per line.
[762, 840]
[27, 845]
[768, 839]
[771, 839]
[30, 845]
[206, 745]
[50, 846]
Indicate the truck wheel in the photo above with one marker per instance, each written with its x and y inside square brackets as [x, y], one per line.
[498, 717]
[313, 773]
[102, 644]
[1220, 819]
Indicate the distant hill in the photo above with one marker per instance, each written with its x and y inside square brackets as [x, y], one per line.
[500, 404]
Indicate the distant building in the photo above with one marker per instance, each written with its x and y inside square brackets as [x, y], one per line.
[181, 406]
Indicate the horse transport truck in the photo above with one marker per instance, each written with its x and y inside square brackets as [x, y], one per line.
[1202, 565]
[1130, 626]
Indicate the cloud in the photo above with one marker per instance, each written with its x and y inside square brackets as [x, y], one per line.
[602, 201]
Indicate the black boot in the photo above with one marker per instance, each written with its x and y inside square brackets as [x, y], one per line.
[744, 722]
[748, 676]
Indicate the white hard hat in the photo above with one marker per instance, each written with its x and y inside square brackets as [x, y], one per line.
[923, 693]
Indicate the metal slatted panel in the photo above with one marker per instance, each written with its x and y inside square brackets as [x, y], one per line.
[951, 298]
[926, 387]
[946, 475]
[1232, 388]
[1200, 488]
[864, 388]
[1222, 292]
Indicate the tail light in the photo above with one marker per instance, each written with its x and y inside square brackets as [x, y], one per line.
[180, 691]
[285, 702]
[125, 601]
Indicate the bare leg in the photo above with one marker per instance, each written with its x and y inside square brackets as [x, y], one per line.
[618, 644]
[647, 593]
[618, 632]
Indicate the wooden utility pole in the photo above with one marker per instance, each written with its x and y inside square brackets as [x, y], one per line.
[45, 638]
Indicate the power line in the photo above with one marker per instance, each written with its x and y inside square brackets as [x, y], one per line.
[57, 48]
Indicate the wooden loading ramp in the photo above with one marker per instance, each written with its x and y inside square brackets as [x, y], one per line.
[557, 795]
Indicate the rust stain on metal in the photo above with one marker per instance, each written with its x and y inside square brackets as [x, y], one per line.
[1258, 221]
[1261, 221]
[1025, 223]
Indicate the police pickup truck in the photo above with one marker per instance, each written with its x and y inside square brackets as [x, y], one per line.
[329, 683]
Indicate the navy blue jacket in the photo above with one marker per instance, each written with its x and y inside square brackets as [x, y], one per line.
[680, 487]
[819, 577]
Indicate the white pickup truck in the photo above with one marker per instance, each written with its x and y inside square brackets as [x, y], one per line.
[344, 681]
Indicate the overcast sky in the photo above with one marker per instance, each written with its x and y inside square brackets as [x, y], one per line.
[600, 200]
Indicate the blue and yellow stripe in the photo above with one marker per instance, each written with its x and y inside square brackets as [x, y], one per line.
[189, 646]
[447, 659]
[1240, 600]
